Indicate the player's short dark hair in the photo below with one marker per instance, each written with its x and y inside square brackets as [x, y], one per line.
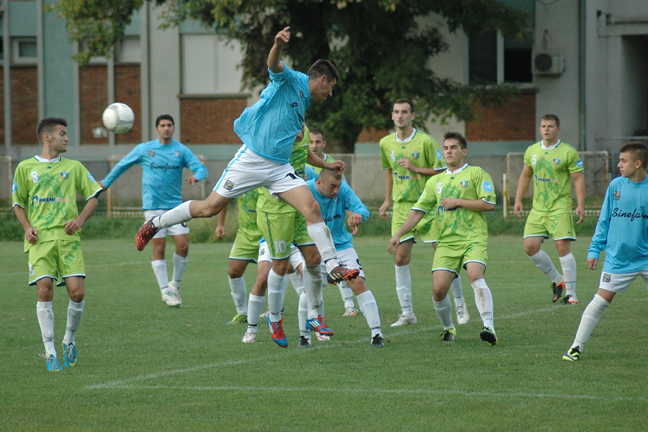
[457, 136]
[164, 117]
[323, 67]
[318, 132]
[47, 125]
[551, 117]
[334, 174]
[405, 100]
[638, 150]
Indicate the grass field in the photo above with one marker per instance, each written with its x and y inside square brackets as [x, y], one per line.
[143, 366]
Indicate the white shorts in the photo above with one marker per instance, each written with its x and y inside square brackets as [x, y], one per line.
[173, 230]
[296, 258]
[249, 171]
[349, 259]
[618, 283]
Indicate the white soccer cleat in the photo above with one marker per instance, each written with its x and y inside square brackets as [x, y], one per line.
[170, 299]
[462, 313]
[350, 311]
[249, 336]
[404, 320]
[322, 337]
[175, 289]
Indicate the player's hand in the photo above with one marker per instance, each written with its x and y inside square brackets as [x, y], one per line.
[517, 209]
[220, 232]
[383, 209]
[31, 235]
[591, 263]
[338, 166]
[102, 186]
[580, 212]
[407, 164]
[449, 203]
[283, 37]
[393, 244]
[72, 226]
[191, 180]
[354, 220]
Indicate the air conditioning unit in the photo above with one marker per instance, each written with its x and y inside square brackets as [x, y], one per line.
[548, 63]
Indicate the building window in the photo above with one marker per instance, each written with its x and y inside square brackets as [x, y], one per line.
[209, 65]
[495, 59]
[25, 50]
[128, 51]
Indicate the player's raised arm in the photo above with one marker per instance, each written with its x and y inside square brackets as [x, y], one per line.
[274, 58]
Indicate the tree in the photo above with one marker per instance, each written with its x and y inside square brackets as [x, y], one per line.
[382, 49]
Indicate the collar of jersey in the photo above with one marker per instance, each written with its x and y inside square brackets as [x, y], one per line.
[40, 159]
[457, 171]
[406, 140]
[542, 146]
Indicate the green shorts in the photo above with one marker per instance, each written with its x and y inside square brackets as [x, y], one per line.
[55, 259]
[559, 226]
[451, 257]
[426, 228]
[282, 229]
[246, 246]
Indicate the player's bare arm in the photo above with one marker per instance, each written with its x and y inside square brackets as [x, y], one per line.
[408, 165]
[313, 160]
[412, 220]
[191, 180]
[31, 234]
[474, 205]
[523, 186]
[579, 186]
[219, 232]
[102, 186]
[274, 58]
[389, 185]
[75, 225]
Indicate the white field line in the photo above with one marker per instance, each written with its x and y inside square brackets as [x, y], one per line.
[87, 266]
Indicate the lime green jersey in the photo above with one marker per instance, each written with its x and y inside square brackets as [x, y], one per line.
[552, 169]
[47, 190]
[247, 210]
[269, 204]
[458, 225]
[422, 150]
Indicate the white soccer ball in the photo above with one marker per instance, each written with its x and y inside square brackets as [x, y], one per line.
[118, 118]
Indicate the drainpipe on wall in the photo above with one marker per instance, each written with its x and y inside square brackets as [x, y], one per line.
[581, 61]
[7, 76]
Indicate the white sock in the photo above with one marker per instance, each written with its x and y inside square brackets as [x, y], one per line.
[313, 289]
[239, 292]
[302, 314]
[346, 293]
[589, 320]
[275, 296]
[568, 264]
[297, 281]
[45, 314]
[369, 308]
[404, 289]
[457, 291]
[284, 290]
[179, 266]
[444, 312]
[160, 270]
[543, 262]
[321, 235]
[484, 301]
[74, 312]
[174, 216]
[255, 306]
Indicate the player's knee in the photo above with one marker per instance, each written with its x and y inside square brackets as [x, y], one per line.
[531, 249]
[235, 273]
[182, 250]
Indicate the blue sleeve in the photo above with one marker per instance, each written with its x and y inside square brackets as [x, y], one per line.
[193, 163]
[353, 203]
[131, 159]
[311, 174]
[599, 240]
[281, 77]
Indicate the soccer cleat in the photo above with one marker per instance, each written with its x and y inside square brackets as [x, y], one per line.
[304, 343]
[171, 300]
[239, 318]
[145, 234]
[568, 300]
[572, 354]
[175, 289]
[322, 337]
[250, 335]
[350, 311]
[449, 335]
[52, 363]
[404, 319]
[488, 335]
[69, 355]
[377, 341]
[278, 334]
[557, 291]
[318, 325]
[265, 314]
[341, 273]
[462, 313]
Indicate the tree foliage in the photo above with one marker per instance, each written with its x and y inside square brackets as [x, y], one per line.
[383, 49]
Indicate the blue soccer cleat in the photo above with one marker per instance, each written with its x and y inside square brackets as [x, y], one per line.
[52, 363]
[69, 355]
[318, 325]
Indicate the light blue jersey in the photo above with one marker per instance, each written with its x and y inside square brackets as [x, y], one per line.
[162, 172]
[269, 127]
[622, 228]
[334, 212]
[310, 173]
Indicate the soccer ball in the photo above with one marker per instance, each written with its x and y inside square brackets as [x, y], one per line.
[118, 118]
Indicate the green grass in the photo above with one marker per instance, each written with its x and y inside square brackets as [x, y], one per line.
[143, 366]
